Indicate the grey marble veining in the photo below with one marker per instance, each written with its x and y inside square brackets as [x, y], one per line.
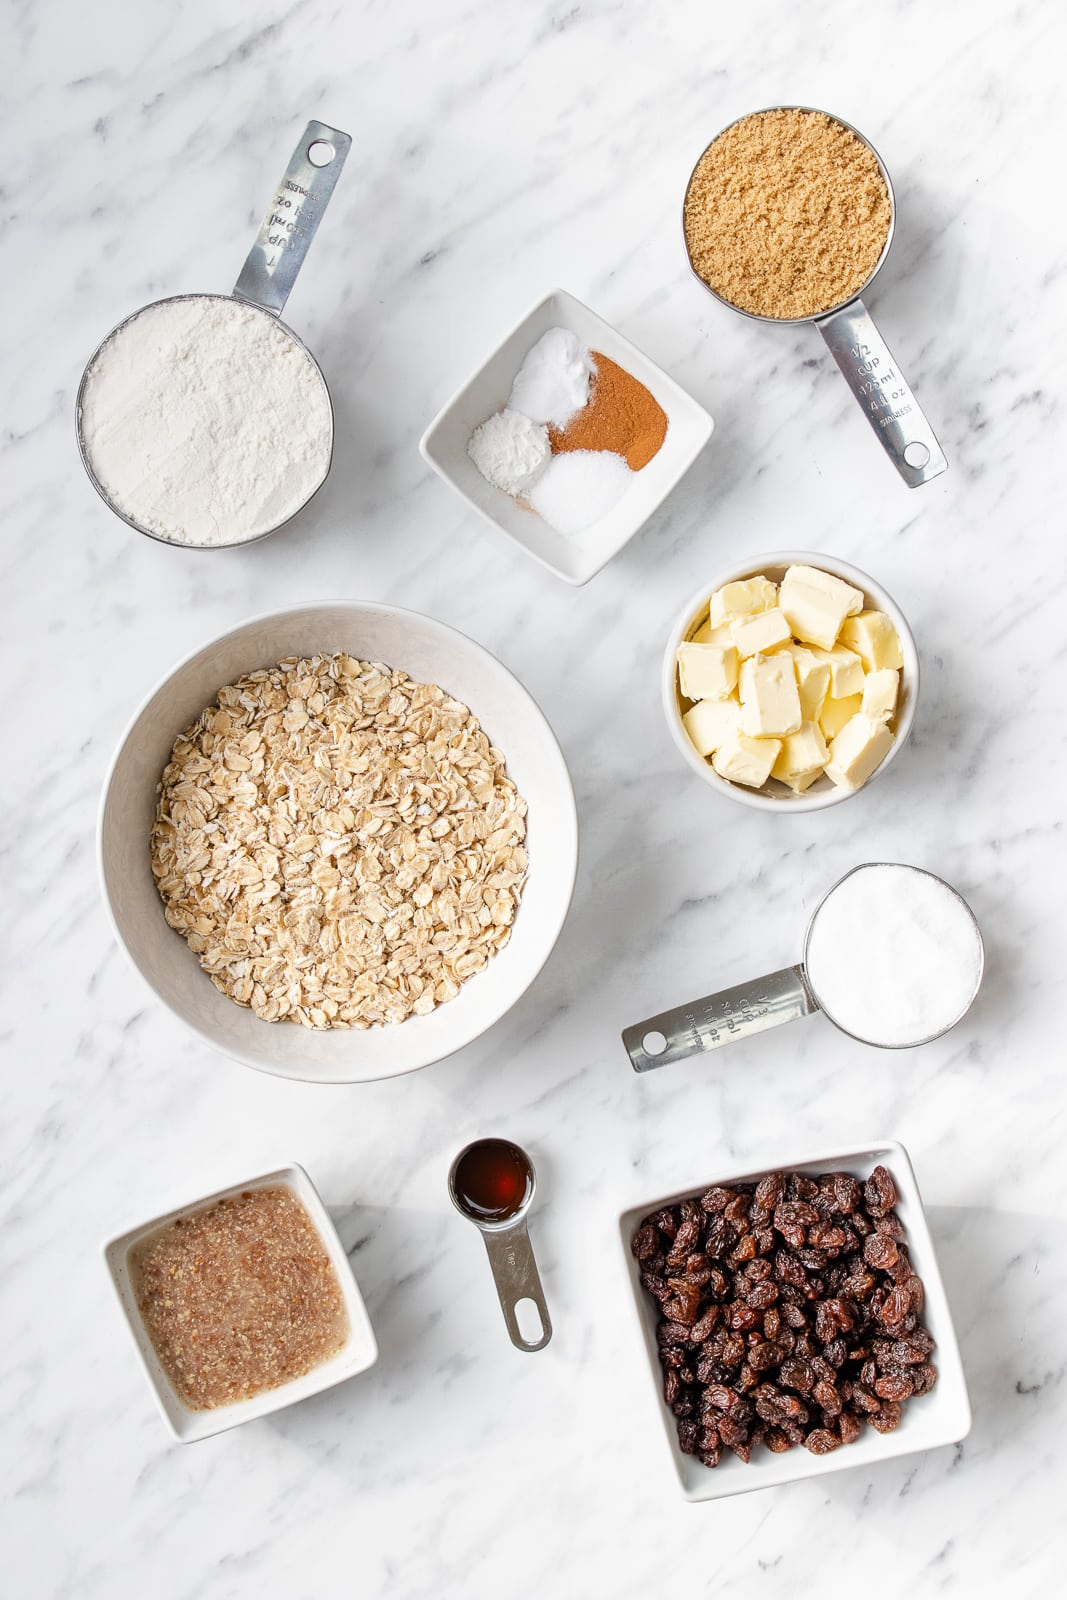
[501, 149]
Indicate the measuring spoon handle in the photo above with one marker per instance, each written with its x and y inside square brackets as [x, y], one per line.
[515, 1274]
[877, 383]
[719, 1019]
[292, 217]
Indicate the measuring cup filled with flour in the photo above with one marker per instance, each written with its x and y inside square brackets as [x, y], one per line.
[893, 957]
[202, 419]
[788, 217]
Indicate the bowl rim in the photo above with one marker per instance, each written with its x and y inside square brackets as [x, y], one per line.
[624, 349]
[361, 1345]
[911, 673]
[565, 829]
[950, 1360]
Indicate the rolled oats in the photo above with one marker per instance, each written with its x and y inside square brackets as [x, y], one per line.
[339, 845]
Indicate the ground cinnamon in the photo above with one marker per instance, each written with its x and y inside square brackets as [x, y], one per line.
[620, 416]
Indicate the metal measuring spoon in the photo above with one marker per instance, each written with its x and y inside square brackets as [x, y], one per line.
[492, 1183]
[782, 996]
[265, 283]
[856, 345]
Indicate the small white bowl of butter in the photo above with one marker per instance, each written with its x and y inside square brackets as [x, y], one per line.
[790, 681]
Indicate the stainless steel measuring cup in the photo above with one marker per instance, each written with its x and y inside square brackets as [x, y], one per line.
[781, 996]
[265, 282]
[507, 1241]
[858, 348]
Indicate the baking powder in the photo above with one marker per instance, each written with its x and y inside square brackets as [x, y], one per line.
[205, 421]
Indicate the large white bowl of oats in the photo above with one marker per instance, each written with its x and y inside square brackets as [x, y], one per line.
[339, 842]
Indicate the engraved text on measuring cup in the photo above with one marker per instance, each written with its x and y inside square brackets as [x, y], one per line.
[883, 390]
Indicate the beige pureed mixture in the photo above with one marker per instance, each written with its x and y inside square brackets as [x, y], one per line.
[786, 214]
[239, 1298]
[339, 845]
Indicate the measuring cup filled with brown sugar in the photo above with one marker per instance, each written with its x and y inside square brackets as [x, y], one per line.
[788, 217]
[492, 1184]
[202, 420]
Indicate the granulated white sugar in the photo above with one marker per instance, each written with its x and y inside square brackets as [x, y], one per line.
[894, 955]
[579, 487]
[205, 421]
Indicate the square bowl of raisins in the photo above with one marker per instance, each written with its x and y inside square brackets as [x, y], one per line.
[796, 1322]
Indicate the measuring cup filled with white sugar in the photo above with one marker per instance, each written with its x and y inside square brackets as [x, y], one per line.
[893, 957]
[202, 419]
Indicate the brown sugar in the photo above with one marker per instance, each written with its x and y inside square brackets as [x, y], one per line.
[239, 1298]
[786, 214]
[620, 416]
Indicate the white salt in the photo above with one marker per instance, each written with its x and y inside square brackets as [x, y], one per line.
[510, 451]
[553, 381]
[578, 487]
[894, 955]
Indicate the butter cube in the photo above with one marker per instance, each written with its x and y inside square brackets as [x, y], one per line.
[706, 634]
[816, 604]
[803, 755]
[706, 671]
[835, 713]
[858, 749]
[880, 694]
[846, 671]
[745, 760]
[711, 723]
[770, 701]
[763, 632]
[874, 639]
[742, 599]
[813, 680]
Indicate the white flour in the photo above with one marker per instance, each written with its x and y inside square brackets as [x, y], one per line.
[205, 422]
[894, 956]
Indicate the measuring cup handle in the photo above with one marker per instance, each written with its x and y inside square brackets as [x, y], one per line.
[719, 1019]
[511, 1258]
[875, 380]
[292, 217]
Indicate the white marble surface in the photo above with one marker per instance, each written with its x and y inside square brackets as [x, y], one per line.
[501, 149]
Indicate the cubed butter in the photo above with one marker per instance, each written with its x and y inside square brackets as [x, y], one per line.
[858, 749]
[710, 723]
[706, 634]
[803, 754]
[846, 671]
[835, 713]
[706, 671]
[813, 680]
[745, 760]
[770, 701]
[760, 633]
[742, 599]
[874, 639]
[880, 694]
[816, 604]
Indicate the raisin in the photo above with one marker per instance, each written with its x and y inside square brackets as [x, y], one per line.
[776, 1441]
[732, 1431]
[880, 1251]
[645, 1242]
[733, 1351]
[705, 1324]
[672, 1333]
[886, 1418]
[894, 1387]
[922, 1378]
[792, 1218]
[880, 1192]
[849, 1427]
[820, 1441]
[716, 1199]
[772, 1323]
[685, 1304]
[769, 1190]
[798, 1374]
[825, 1395]
[761, 1296]
[687, 1437]
[666, 1221]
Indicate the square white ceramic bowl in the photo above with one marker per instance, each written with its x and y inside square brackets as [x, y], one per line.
[575, 558]
[360, 1350]
[941, 1417]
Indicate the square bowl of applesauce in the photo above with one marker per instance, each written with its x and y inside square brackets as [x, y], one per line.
[240, 1303]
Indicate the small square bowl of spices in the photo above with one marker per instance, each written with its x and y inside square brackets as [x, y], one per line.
[241, 1303]
[795, 1321]
[567, 439]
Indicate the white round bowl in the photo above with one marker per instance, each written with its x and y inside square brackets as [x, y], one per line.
[775, 796]
[430, 652]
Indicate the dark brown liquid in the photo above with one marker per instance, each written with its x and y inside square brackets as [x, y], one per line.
[492, 1180]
